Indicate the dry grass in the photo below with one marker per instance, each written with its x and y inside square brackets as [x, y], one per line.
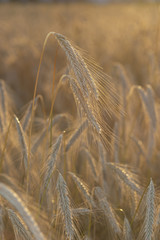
[75, 160]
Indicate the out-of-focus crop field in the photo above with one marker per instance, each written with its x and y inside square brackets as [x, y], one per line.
[128, 34]
[80, 157]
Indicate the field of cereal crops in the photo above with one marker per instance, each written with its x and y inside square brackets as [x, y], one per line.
[80, 151]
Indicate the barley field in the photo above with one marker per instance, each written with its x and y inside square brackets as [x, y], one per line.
[79, 121]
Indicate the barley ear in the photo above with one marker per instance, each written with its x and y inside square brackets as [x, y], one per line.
[108, 211]
[22, 142]
[148, 206]
[19, 227]
[12, 197]
[83, 189]
[150, 210]
[64, 204]
[50, 164]
[27, 116]
[77, 133]
[127, 232]
[125, 176]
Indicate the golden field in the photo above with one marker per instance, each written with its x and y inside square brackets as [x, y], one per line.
[127, 34]
[80, 153]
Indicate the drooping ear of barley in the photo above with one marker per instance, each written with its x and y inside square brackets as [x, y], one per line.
[83, 190]
[23, 211]
[108, 211]
[19, 227]
[86, 107]
[82, 73]
[65, 207]
[22, 142]
[125, 176]
[95, 88]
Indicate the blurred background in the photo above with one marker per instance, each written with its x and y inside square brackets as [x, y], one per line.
[125, 32]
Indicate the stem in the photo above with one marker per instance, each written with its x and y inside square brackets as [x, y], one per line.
[53, 97]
